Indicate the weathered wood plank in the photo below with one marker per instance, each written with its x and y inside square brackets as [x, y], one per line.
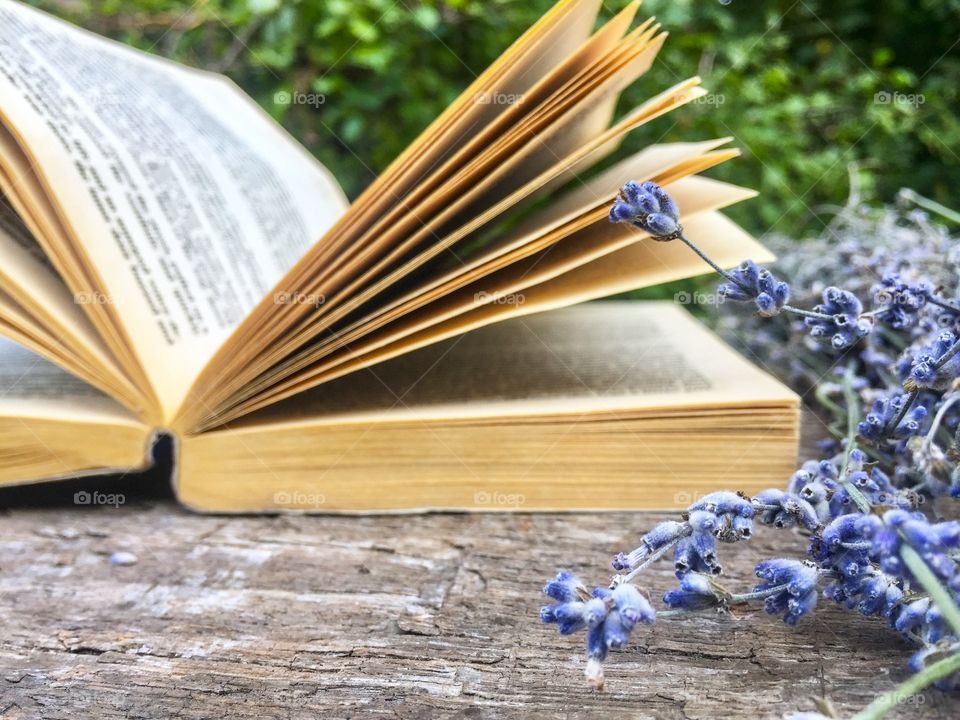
[423, 616]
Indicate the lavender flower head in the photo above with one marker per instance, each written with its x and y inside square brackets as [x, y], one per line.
[794, 583]
[899, 302]
[752, 283]
[648, 207]
[843, 325]
[879, 421]
[933, 368]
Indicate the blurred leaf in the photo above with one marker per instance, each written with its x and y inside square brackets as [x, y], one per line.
[263, 7]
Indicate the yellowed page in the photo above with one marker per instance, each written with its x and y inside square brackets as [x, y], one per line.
[53, 425]
[602, 189]
[499, 187]
[594, 357]
[603, 405]
[38, 388]
[242, 364]
[26, 274]
[182, 196]
[572, 114]
[26, 195]
[17, 323]
[516, 244]
[28, 277]
[492, 298]
[412, 222]
[548, 42]
[638, 264]
[570, 249]
[591, 193]
[612, 461]
[513, 292]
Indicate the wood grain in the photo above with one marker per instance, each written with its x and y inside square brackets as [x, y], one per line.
[403, 616]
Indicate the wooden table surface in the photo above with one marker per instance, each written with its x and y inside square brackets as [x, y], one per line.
[398, 616]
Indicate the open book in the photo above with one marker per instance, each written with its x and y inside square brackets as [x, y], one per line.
[172, 262]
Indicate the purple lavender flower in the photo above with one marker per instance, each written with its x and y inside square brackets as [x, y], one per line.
[872, 592]
[928, 370]
[750, 283]
[569, 612]
[568, 616]
[698, 552]
[723, 503]
[797, 584]
[624, 607]
[662, 535]
[633, 606]
[723, 516]
[816, 482]
[565, 587]
[782, 509]
[648, 207]
[696, 591]
[876, 426]
[910, 616]
[573, 615]
[898, 302]
[844, 324]
[934, 542]
[842, 548]
[868, 562]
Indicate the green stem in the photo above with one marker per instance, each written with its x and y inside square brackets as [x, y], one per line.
[824, 399]
[853, 420]
[931, 205]
[938, 593]
[929, 675]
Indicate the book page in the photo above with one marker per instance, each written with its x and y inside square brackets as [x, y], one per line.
[600, 356]
[519, 293]
[500, 250]
[607, 405]
[13, 232]
[508, 292]
[379, 222]
[44, 300]
[33, 387]
[663, 167]
[185, 199]
[54, 426]
[545, 44]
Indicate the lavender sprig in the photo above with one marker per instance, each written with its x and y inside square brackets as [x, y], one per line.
[869, 547]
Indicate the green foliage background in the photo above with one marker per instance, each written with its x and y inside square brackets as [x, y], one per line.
[795, 82]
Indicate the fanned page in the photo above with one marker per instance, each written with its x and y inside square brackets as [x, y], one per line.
[54, 425]
[418, 251]
[38, 310]
[593, 262]
[606, 405]
[161, 193]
